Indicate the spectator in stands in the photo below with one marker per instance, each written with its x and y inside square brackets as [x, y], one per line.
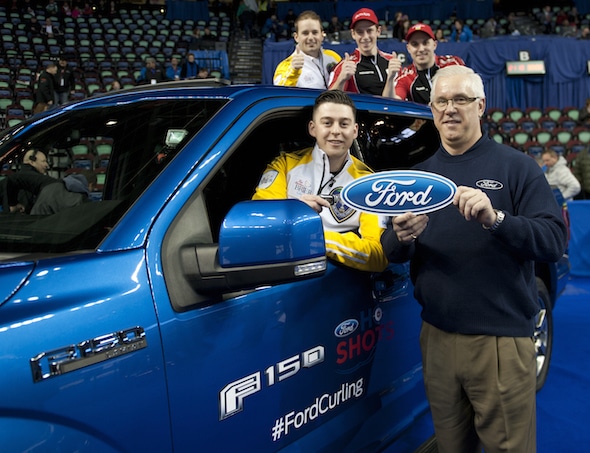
[66, 10]
[510, 27]
[33, 28]
[88, 10]
[26, 7]
[573, 16]
[559, 175]
[309, 66]
[33, 169]
[76, 11]
[569, 30]
[52, 8]
[584, 116]
[461, 32]
[207, 35]
[190, 68]
[50, 30]
[45, 94]
[115, 86]
[585, 32]
[413, 82]
[439, 35]
[489, 29]
[150, 73]
[289, 21]
[246, 18]
[49, 195]
[335, 26]
[196, 41]
[102, 8]
[400, 30]
[71, 191]
[368, 69]
[547, 20]
[203, 74]
[263, 12]
[113, 9]
[173, 70]
[64, 81]
[581, 170]
[397, 23]
[275, 30]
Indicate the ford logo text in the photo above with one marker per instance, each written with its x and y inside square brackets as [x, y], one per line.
[345, 328]
[399, 191]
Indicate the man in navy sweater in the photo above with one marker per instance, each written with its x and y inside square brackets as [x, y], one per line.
[472, 264]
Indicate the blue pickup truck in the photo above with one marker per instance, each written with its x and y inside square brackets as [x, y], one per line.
[172, 313]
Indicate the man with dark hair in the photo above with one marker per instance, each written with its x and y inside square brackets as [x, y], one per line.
[368, 70]
[413, 82]
[190, 68]
[45, 94]
[317, 175]
[47, 195]
[64, 81]
[151, 73]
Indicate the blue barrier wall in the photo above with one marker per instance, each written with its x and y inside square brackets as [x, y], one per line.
[579, 248]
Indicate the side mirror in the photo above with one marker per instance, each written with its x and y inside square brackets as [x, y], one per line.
[262, 242]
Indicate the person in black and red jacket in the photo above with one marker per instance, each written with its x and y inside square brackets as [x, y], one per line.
[412, 83]
[368, 70]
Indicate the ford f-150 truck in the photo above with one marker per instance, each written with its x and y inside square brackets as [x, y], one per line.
[172, 313]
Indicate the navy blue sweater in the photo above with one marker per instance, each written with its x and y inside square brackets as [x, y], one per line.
[473, 281]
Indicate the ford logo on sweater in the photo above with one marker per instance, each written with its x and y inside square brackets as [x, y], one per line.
[399, 191]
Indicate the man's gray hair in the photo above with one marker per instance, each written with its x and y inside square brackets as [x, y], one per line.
[473, 79]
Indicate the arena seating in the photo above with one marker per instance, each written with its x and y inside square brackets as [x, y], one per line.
[99, 50]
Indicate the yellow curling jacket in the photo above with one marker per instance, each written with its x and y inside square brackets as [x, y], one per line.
[314, 74]
[352, 237]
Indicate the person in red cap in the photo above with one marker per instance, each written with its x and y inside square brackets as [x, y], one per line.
[412, 83]
[367, 70]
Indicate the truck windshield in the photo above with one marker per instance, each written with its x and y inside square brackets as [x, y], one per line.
[119, 149]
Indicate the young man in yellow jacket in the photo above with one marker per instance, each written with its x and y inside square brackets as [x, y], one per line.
[309, 66]
[317, 175]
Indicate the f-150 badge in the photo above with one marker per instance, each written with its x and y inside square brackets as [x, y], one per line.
[399, 191]
[73, 357]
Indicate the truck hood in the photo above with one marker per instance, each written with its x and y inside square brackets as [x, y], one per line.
[12, 277]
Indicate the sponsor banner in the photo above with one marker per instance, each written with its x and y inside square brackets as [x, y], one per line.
[399, 191]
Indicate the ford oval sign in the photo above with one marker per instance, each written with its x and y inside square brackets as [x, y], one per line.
[399, 191]
[345, 328]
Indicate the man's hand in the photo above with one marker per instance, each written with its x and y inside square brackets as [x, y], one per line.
[298, 59]
[393, 66]
[315, 202]
[409, 226]
[475, 204]
[347, 71]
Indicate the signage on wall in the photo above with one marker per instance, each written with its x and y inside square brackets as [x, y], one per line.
[524, 65]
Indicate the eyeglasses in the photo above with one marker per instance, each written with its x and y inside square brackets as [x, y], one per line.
[440, 104]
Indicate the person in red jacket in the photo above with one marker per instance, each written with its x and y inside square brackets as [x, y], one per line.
[368, 69]
[412, 83]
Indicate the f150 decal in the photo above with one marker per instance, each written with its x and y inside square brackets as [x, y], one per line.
[88, 352]
[231, 397]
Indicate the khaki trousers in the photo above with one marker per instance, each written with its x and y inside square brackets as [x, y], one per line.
[482, 391]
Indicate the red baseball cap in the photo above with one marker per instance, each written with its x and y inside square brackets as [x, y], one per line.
[364, 14]
[420, 27]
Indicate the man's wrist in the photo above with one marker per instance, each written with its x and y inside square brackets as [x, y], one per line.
[497, 222]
